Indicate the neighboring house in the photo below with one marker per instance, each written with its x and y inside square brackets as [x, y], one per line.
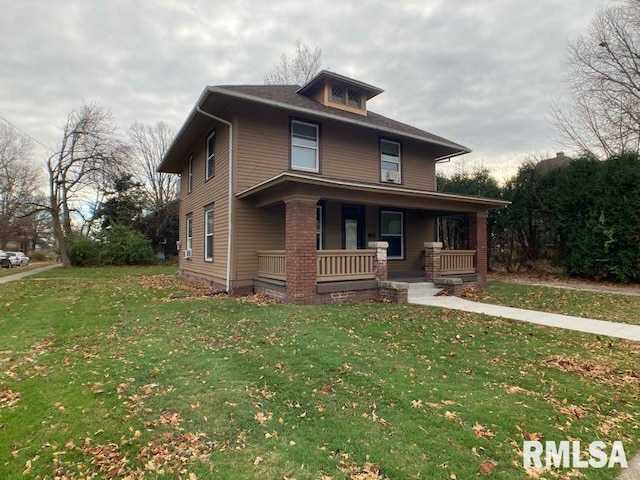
[548, 164]
[296, 191]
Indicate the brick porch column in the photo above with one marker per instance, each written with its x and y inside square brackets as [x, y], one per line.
[432, 260]
[478, 242]
[380, 260]
[300, 245]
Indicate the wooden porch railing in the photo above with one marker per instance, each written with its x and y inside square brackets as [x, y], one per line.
[333, 265]
[336, 265]
[272, 264]
[457, 261]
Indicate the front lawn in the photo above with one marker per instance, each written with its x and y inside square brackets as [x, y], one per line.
[614, 307]
[127, 373]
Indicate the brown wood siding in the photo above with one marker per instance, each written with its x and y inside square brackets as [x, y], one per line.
[333, 226]
[255, 229]
[204, 193]
[346, 151]
[261, 151]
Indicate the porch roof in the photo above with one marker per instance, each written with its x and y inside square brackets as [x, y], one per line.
[272, 191]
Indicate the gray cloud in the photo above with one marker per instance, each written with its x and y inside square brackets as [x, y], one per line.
[480, 73]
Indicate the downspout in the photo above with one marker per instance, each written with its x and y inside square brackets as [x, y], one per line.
[229, 232]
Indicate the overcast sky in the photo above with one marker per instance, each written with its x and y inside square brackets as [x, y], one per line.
[482, 73]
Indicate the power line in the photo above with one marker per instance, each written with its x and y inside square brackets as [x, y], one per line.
[23, 132]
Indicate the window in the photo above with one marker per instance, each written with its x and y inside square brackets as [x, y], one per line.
[353, 99]
[208, 235]
[392, 231]
[190, 174]
[304, 146]
[211, 155]
[337, 94]
[346, 96]
[390, 161]
[319, 245]
[189, 224]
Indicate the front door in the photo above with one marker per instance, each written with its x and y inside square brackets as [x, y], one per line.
[352, 227]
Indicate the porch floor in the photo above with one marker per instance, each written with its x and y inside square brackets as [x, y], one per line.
[408, 277]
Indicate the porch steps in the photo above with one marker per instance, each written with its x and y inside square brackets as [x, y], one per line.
[419, 290]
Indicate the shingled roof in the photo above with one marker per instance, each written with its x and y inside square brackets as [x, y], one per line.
[288, 96]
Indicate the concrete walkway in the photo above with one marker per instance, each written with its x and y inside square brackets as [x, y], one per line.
[19, 275]
[423, 294]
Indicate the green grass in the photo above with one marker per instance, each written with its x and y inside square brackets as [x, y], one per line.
[103, 365]
[603, 305]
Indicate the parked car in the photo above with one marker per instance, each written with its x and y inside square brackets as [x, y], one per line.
[13, 258]
[5, 261]
[22, 258]
[18, 259]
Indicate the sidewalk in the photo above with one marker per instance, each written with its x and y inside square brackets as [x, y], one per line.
[599, 327]
[20, 275]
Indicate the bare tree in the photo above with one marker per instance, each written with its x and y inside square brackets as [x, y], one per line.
[89, 155]
[297, 69]
[149, 144]
[604, 84]
[19, 181]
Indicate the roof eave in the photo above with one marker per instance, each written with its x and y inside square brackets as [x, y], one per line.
[457, 149]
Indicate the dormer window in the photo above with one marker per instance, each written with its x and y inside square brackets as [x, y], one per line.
[351, 97]
[337, 94]
[337, 91]
[354, 99]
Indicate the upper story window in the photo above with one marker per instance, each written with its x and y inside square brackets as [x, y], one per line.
[350, 97]
[304, 146]
[190, 174]
[211, 156]
[337, 93]
[390, 161]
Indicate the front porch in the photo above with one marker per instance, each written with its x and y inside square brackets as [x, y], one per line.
[359, 274]
[329, 241]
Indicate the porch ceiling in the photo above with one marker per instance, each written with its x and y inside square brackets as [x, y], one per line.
[273, 190]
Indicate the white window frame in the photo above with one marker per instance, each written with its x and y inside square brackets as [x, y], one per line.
[189, 232]
[295, 146]
[387, 159]
[208, 252]
[400, 235]
[190, 174]
[209, 165]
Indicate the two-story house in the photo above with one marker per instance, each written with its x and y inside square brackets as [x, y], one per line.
[305, 194]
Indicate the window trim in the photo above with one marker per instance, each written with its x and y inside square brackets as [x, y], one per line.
[208, 255]
[382, 176]
[190, 174]
[317, 147]
[209, 171]
[189, 232]
[402, 233]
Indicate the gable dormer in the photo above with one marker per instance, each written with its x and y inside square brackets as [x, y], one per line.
[337, 91]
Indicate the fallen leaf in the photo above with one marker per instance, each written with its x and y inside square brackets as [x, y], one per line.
[487, 467]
